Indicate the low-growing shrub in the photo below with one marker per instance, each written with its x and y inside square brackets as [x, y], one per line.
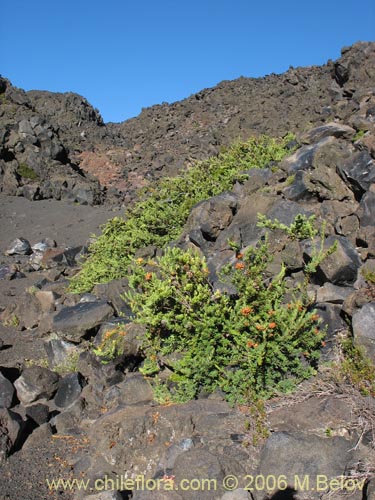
[111, 345]
[27, 172]
[301, 228]
[264, 340]
[69, 365]
[356, 367]
[159, 216]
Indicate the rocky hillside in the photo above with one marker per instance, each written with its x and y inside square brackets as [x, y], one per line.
[171, 381]
[49, 139]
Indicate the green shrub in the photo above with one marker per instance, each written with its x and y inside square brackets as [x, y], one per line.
[301, 228]
[69, 365]
[112, 345]
[27, 172]
[357, 368]
[159, 216]
[369, 276]
[359, 135]
[250, 346]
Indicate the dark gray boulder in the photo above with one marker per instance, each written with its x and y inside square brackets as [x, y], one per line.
[8, 272]
[28, 311]
[366, 211]
[19, 246]
[95, 372]
[36, 383]
[195, 428]
[133, 390]
[69, 390]
[332, 293]
[332, 129]
[199, 463]
[298, 455]
[60, 351]
[38, 412]
[75, 322]
[213, 216]
[303, 158]
[359, 172]
[341, 267]
[331, 317]
[7, 392]
[11, 427]
[363, 325]
[112, 292]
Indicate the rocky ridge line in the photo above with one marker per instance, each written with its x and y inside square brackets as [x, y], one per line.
[164, 138]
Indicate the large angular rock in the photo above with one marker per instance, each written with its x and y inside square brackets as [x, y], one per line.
[332, 129]
[143, 438]
[39, 435]
[59, 351]
[47, 300]
[296, 454]
[7, 392]
[112, 292]
[19, 246]
[53, 257]
[303, 158]
[328, 152]
[332, 293]
[366, 211]
[212, 216]
[75, 321]
[133, 390]
[341, 267]
[199, 463]
[39, 413]
[69, 390]
[104, 374]
[363, 324]
[314, 415]
[28, 311]
[257, 178]
[11, 427]
[8, 272]
[322, 183]
[35, 383]
[359, 172]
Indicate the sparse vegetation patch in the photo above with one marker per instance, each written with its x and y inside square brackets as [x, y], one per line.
[162, 211]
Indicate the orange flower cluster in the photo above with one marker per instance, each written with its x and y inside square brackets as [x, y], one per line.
[250, 343]
[148, 276]
[110, 333]
[239, 265]
[245, 311]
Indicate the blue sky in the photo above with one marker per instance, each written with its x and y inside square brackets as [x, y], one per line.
[124, 55]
